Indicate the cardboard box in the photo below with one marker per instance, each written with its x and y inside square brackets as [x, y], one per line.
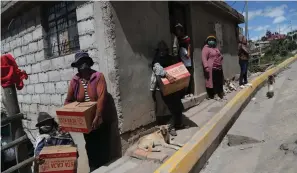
[180, 72]
[58, 159]
[77, 116]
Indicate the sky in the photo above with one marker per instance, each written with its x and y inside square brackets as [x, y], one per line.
[276, 16]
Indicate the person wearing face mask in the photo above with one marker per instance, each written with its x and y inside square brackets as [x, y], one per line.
[212, 61]
[90, 85]
[162, 60]
[184, 52]
[243, 54]
[49, 135]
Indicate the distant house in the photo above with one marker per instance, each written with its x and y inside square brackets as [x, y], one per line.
[293, 35]
[276, 36]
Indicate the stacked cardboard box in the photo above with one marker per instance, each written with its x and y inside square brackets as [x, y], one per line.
[182, 75]
[77, 116]
[58, 159]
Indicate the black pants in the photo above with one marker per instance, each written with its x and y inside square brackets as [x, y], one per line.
[188, 90]
[218, 82]
[243, 72]
[175, 106]
[97, 146]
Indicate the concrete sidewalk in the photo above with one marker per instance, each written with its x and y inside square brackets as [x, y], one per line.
[195, 117]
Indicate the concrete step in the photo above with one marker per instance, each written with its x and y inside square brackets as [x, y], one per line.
[193, 101]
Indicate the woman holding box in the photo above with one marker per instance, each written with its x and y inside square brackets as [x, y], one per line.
[212, 61]
[90, 85]
[162, 60]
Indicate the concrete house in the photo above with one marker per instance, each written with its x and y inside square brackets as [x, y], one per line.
[120, 37]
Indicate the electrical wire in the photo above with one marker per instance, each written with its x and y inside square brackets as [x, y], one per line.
[243, 8]
[233, 3]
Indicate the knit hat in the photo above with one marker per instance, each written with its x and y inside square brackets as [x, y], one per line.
[211, 37]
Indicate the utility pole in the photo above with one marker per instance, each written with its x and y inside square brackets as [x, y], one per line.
[290, 22]
[246, 19]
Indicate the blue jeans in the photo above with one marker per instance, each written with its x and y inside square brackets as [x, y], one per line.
[243, 71]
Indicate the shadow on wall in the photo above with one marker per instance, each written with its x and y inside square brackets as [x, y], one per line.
[115, 139]
[139, 27]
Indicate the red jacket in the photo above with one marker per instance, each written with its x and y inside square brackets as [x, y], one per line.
[10, 72]
[96, 90]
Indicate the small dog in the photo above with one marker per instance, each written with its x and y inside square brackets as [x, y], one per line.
[226, 90]
[271, 81]
[158, 138]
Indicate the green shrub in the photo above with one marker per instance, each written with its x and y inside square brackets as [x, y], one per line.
[283, 53]
[292, 45]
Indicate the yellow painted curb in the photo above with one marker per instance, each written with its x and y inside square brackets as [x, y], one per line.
[185, 158]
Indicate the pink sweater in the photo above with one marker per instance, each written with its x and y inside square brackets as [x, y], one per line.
[212, 55]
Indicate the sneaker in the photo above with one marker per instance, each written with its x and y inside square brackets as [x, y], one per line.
[188, 95]
[172, 132]
[242, 86]
[248, 84]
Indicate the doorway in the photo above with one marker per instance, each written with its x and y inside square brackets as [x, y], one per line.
[179, 12]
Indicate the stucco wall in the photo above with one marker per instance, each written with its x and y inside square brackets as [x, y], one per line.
[139, 26]
[204, 20]
[122, 46]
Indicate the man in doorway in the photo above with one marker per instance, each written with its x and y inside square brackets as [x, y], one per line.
[184, 52]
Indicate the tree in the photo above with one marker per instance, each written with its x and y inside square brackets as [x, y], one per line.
[268, 34]
[292, 45]
[263, 38]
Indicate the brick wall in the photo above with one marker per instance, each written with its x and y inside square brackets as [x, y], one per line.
[46, 87]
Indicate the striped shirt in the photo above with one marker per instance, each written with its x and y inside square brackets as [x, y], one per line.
[87, 98]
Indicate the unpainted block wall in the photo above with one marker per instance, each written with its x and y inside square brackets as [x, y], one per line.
[203, 24]
[46, 88]
[139, 27]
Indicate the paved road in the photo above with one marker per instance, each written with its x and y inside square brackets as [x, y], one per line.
[252, 145]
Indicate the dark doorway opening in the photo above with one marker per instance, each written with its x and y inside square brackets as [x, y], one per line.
[179, 12]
